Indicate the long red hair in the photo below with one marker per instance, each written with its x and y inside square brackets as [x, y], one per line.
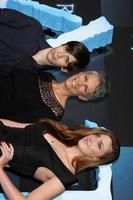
[70, 137]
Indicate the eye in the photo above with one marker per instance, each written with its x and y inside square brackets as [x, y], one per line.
[86, 77]
[67, 60]
[99, 134]
[85, 84]
[85, 89]
[99, 145]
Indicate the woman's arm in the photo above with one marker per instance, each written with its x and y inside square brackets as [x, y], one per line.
[10, 123]
[46, 191]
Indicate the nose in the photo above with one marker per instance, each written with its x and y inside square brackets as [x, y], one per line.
[94, 138]
[82, 83]
[61, 54]
[82, 78]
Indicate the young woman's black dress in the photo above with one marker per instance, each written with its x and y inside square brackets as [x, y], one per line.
[32, 151]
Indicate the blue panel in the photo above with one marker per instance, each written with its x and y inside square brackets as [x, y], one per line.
[49, 17]
[98, 33]
[123, 175]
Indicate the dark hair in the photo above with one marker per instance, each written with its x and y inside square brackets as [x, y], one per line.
[70, 137]
[80, 52]
[104, 86]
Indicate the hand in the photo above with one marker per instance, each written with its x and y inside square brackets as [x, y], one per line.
[7, 154]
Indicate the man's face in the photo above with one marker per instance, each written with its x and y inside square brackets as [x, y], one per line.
[60, 57]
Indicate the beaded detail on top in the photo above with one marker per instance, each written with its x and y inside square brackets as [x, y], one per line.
[49, 98]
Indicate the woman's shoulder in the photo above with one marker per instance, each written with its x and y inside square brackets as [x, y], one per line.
[42, 126]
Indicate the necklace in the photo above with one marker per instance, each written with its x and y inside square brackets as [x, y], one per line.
[48, 96]
[57, 96]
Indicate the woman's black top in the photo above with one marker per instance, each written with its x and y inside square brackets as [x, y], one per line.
[26, 96]
[32, 151]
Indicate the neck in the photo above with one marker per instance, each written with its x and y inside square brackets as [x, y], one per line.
[73, 152]
[60, 92]
[41, 57]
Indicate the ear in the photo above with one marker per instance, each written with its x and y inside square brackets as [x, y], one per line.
[64, 69]
[83, 98]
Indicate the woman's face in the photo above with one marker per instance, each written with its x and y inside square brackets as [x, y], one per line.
[82, 84]
[95, 146]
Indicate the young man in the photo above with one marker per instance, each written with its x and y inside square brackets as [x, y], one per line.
[22, 40]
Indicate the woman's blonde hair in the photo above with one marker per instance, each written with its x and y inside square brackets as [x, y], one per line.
[70, 137]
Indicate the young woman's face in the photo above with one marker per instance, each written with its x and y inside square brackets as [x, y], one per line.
[82, 84]
[95, 146]
[60, 57]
